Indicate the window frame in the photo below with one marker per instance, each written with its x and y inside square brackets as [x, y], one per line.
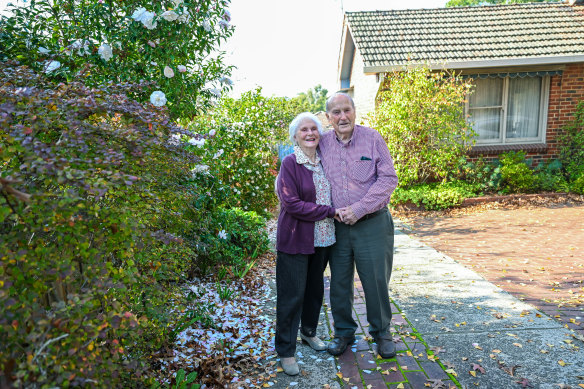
[503, 140]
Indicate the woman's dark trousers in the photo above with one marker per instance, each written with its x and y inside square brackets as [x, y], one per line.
[300, 288]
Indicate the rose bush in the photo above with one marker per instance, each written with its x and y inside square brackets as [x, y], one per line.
[174, 43]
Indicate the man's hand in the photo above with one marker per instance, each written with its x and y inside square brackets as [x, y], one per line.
[348, 216]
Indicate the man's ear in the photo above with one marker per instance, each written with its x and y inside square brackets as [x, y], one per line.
[328, 117]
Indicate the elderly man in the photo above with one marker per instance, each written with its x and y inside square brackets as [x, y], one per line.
[360, 170]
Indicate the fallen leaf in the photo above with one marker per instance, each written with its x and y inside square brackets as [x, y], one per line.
[476, 366]
[524, 382]
[562, 363]
[517, 345]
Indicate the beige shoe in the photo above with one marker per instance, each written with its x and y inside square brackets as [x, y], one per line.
[290, 366]
[314, 342]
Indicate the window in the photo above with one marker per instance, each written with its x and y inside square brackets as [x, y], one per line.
[509, 110]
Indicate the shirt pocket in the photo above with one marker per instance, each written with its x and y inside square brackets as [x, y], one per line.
[362, 171]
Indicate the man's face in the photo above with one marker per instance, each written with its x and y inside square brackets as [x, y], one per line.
[342, 117]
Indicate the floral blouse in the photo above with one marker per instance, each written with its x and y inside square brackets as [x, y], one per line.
[324, 230]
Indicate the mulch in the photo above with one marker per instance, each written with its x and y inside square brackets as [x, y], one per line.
[531, 246]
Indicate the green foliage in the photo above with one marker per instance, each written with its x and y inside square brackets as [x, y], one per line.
[487, 175]
[78, 35]
[95, 230]
[516, 175]
[572, 145]
[239, 151]
[314, 100]
[421, 116]
[577, 186]
[464, 3]
[435, 196]
[548, 177]
[181, 381]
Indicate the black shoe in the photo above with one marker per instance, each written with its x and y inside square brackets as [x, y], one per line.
[385, 347]
[337, 346]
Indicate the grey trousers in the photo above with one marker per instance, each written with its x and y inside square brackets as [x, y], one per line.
[300, 289]
[368, 246]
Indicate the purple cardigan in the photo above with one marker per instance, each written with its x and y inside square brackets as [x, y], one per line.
[298, 208]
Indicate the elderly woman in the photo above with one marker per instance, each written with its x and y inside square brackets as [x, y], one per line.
[305, 233]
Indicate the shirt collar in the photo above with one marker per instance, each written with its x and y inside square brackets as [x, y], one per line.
[301, 158]
[350, 139]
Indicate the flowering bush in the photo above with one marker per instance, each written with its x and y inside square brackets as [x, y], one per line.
[173, 43]
[241, 136]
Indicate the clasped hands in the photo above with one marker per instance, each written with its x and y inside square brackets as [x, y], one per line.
[345, 215]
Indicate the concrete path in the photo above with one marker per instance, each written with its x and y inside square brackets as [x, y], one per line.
[455, 329]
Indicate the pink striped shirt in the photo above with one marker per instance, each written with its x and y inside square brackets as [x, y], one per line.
[360, 172]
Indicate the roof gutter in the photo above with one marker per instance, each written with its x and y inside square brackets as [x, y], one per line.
[459, 65]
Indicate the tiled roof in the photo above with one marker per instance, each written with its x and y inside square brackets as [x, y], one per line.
[464, 34]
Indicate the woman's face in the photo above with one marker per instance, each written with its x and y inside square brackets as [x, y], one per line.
[307, 135]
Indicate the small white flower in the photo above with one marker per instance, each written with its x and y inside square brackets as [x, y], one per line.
[157, 98]
[168, 72]
[105, 51]
[151, 44]
[197, 142]
[212, 132]
[226, 81]
[185, 17]
[52, 66]
[43, 50]
[154, 63]
[181, 68]
[224, 24]
[200, 169]
[207, 25]
[218, 154]
[227, 15]
[222, 234]
[215, 92]
[169, 16]
[81, 46]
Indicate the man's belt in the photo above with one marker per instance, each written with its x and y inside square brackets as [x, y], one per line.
[372, 214]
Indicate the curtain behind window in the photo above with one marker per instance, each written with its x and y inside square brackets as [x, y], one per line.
[523, 112]
[485, 105]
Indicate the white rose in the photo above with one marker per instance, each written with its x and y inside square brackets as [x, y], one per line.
[148, 20]
[168, 72]
[138, 14]
[212, 132]
[181, 68]
[105, 51]
[157, 98]
[169, 16]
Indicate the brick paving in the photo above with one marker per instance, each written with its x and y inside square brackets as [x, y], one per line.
[414, 366]
[533, 252]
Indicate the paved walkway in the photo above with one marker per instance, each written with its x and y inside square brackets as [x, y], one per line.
[534, 253]
[453, 328]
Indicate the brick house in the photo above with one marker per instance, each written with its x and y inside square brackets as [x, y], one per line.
[526, 62]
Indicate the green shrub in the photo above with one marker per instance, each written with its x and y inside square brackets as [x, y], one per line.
[487, 175]
[435, 196]
[421, 116]
[549, 177]
[97, 228]
[239, 147]
[577, 186]
[516, 175]
[572, 145]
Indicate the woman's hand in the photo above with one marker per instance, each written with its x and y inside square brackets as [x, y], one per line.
[338, 215]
